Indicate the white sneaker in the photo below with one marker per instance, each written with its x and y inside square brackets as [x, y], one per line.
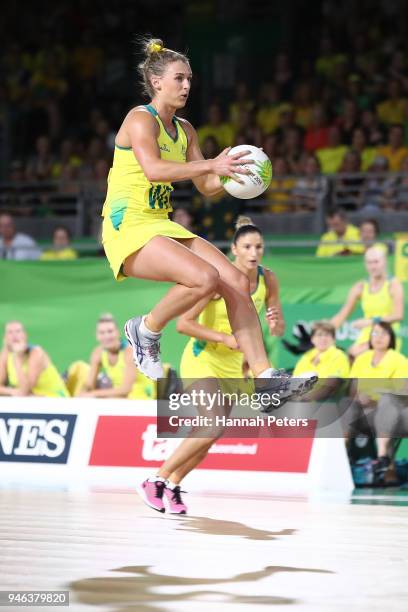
[282, 384]
[146, 349]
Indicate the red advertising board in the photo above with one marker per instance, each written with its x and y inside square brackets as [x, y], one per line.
[130, 441]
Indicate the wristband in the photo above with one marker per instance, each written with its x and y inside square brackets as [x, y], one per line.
[376, 320]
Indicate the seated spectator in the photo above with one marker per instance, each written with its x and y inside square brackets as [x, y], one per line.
[334, 242]
[302, 99]
[286, 122]
[377, 186]
[382, 299]
[267, 117]
[394, 151]
[61, 246]
[331, 157]
[242, 102]
[325, 359]
[67, 157]
[113, 358]
[292, 149]
[26, 369]
[375, 131]
[390, 423]
[222, 131]
[210, 148]
[283, 75]
[348, 120]
[396, 195]
[317, 134]
[13, 244]
[309, 189]
[39, 166]
[328, 58]
[246, 127]
[392, 110]
[279, 191]
[359, 144]
[349, 183]
[369, 233]
[183, 216]
[383, 364]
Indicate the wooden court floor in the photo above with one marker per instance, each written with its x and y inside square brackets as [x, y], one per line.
[231, 554]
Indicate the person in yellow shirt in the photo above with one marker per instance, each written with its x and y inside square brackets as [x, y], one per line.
[331, 157]
[26, 369]
[378, 376]
[329, 362]
[394, 151]
[61, 246]
[279, 192]
[111, 372]
[267, 117]
[222, 131]
[382, 299]
[392, 110]
[334, 242]
[359, 144]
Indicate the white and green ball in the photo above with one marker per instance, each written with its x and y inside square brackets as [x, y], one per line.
[255, 183]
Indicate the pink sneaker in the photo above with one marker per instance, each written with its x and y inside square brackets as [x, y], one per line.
[175, 502]
[152, 494]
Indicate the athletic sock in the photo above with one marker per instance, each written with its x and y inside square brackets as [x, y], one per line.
[171, 485]
[156, 478]
[145, 331]
[266, 373]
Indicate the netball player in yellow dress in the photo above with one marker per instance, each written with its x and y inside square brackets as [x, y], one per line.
[27, 369]
[153, 149]
[212, 351]
[381, 298]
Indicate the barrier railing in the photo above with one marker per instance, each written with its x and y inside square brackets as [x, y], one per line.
[292, 204]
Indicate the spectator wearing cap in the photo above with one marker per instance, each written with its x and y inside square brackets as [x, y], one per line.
[16, 245]
[331, 157]
[394, 151]
[334, 242]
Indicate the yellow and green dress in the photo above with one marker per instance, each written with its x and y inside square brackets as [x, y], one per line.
[49, 382]
[203, 359]
[136, 210]
[143, 387]
[379, 304]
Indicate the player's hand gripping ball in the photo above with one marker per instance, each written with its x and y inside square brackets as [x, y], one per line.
[257, 181]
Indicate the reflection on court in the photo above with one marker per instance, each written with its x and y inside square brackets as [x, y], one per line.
[233, 553]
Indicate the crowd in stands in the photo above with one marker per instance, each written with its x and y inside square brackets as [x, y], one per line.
[342, 109]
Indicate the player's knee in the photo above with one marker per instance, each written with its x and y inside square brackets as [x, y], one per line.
[208, 280]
